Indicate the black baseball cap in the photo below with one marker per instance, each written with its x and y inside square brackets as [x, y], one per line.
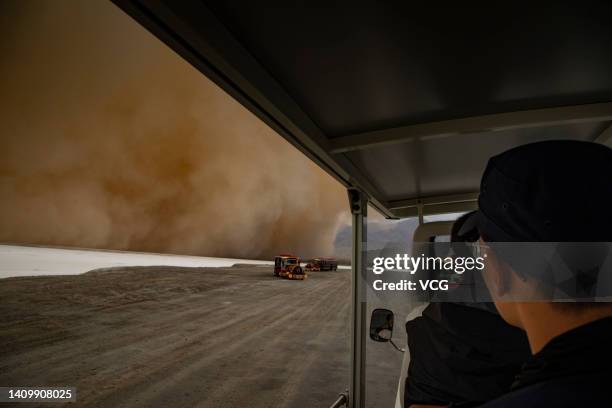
[550, 191]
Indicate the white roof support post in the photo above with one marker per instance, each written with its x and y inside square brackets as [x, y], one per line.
[358, 202]
[420, 211]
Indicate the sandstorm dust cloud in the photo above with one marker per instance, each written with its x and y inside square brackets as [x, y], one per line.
[110, 140]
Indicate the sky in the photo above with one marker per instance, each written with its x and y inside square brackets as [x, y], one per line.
[110, 140]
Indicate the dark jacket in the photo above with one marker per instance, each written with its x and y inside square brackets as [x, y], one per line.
[462, 355]
[572, 370]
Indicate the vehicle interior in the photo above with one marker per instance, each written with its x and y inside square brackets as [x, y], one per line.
[403, 103]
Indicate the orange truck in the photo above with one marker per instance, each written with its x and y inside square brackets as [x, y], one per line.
[288, 266]
[322, 264]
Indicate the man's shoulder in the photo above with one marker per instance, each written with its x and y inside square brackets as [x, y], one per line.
[560, 392]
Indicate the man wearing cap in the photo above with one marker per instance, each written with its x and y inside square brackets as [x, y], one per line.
[550, 192]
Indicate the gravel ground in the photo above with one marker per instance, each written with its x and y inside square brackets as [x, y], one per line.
[186, 337]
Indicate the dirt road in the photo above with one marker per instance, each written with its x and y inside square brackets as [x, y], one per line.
[180, 337]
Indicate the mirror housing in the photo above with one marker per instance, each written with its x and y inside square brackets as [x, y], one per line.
[381, 325]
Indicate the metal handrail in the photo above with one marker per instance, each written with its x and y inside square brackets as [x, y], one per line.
[342, 401]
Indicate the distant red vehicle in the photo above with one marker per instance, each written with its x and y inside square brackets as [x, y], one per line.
[322, 264]
[288, 266]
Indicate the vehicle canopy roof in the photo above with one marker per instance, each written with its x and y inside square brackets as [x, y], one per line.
[404, 101]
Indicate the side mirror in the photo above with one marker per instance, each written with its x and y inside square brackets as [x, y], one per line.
[381, 325]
